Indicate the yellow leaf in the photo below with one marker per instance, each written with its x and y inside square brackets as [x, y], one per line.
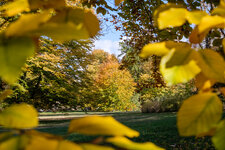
[208, 62]
[36, 4]
[127, 144]
[163, 8]
[218, 138]
[194, 17]
[158, 49]
[172, 17]
[71, 24]
[14, 143]
[5, 94]
[35, 133]
[178, 74]
[44, 141]
[15, 7]
[197, 37]
[198, 114]
[182, 56]
[28, 23]
[161, 49]
[209, 22]
[95, 147]
[203, 83]
[117, 2]
[97, 125]
[13, 55]
[19, 116]
[211, 132]
[67, 145]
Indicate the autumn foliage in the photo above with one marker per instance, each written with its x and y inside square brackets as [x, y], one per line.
[110, 88]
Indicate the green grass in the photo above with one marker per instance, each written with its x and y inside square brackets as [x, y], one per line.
[159, 128]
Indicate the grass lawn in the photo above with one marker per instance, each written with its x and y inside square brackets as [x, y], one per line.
[159, 128]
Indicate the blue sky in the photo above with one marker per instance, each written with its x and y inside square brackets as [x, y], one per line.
[110, 39]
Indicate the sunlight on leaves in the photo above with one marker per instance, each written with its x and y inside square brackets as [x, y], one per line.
[13, 55]
[97, 125]
[199, 114]
[125, 143]
[19, 116]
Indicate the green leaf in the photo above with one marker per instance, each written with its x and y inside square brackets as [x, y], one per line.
[97, 125]
[15, 7]
[127, 144]
[19, 116]
[13, 55]
[199, 114]
[180, 73]
[218, 138]
[208, 62]
[71, 24]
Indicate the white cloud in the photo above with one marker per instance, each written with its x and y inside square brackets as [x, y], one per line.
[109, 46]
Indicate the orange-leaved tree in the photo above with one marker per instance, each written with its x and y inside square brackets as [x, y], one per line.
[110, 88]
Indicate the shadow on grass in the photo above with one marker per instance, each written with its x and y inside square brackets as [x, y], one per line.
[159, 128]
